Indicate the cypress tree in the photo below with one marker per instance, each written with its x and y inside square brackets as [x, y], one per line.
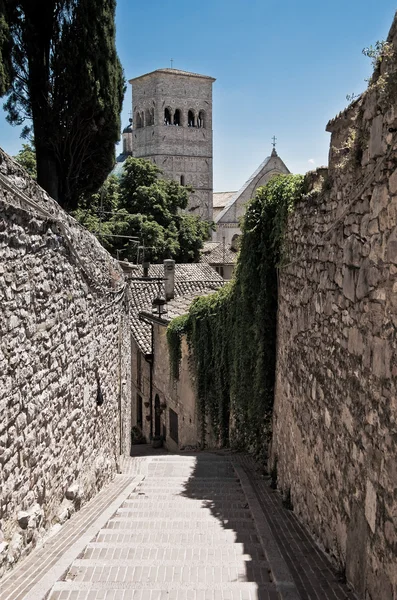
[69, 81]
[5, 50]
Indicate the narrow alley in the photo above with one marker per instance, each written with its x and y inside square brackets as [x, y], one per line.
[197, 526]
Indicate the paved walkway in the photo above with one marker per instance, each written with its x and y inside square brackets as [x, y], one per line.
[202, 526]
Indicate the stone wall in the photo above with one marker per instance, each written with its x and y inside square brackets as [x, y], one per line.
[175, 395]
[335, 421]
[64, 348]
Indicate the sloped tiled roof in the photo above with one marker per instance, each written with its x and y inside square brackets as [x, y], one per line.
[235, 196]
[192, 272]
[180, 305]
[173, 72]
[214, 253]
[220, 199]
[191, 280]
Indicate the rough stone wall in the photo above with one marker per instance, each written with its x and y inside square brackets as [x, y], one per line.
[178, 151]
[64, 334]
[178, 395]
[335, 421]
[141, 386]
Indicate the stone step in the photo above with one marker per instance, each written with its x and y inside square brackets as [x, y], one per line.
[164, 549]
[179, 525]
[177, 503]
[171, 591]
[226, 536]
[211, 562]
[150, 575]
[197, 514]
[163, 578]
[147, 552]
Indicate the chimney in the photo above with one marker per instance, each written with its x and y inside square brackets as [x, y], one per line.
[169, 276]
[145, 266]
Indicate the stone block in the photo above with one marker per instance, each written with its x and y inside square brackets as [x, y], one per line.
[393, 182]
[376, 147]
[349, 283]
[379, 200]
[392, 247]
[381, 357]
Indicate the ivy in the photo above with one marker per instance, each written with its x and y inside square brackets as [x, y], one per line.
[175, 331]
[232, 333]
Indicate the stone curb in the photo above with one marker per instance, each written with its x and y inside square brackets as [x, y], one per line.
[282, 576]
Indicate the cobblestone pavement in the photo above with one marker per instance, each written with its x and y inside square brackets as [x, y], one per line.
[202, 526]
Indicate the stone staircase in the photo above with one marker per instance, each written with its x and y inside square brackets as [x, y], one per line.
[185, 533]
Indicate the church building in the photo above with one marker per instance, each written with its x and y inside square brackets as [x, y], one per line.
[227, 218]
[172, 126]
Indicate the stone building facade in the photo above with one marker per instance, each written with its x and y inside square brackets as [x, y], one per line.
[149, 356]
[335, 417]
[172, 126]
[64, 364]
[175, 411]
[227, 219]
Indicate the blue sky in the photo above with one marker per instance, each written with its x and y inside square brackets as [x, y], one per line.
[282, 68]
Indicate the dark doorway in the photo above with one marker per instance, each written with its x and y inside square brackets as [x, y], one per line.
[157, 423]
[173, 425]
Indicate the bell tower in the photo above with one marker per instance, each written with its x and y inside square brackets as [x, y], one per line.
[172, 126]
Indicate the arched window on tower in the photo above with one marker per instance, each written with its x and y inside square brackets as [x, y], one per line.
[201, 119]
[177, 118]
[138, 121]
[182, 180]
[149, 117]
[167, 117]
[191, 119]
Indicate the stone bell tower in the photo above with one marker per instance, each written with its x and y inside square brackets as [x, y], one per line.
[172, 126]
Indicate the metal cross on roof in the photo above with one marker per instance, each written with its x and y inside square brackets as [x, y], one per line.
[172, 63]
[274, 139]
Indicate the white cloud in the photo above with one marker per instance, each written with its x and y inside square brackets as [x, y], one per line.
[311, 161]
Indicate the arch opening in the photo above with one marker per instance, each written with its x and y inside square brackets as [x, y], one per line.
[177, 118]
[167, 116]
[191, 119]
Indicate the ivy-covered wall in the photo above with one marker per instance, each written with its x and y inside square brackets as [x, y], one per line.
[232, 333]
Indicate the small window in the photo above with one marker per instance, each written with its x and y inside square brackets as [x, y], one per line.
[191, 119]
[167, 117]
[182, 180]
[177, 118]
[138, 121]
[201, 119]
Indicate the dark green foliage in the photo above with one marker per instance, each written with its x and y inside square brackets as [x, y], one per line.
[68, 80]
[147, 208]
[5, 49]
[175, 331]
[232, 333]
[27, 159]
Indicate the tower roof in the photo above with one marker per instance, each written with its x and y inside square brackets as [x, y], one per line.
[173, 72]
